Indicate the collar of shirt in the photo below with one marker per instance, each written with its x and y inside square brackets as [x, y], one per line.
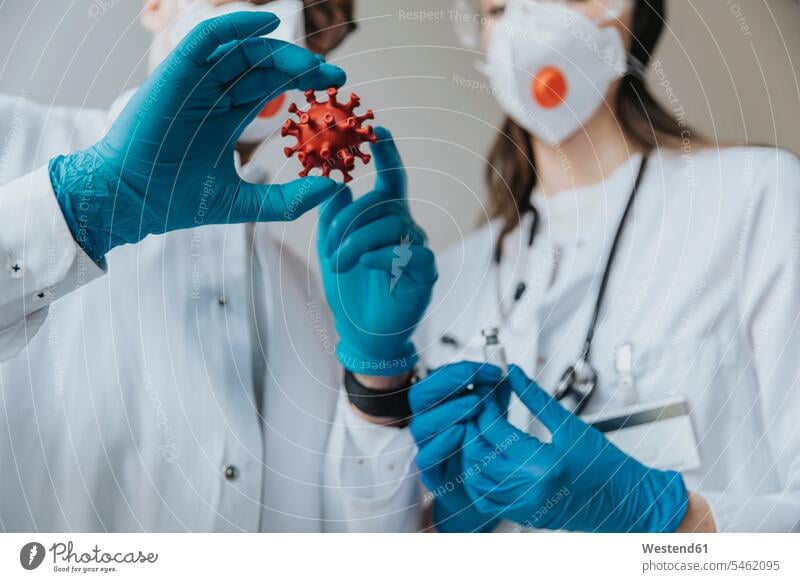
[575, 213]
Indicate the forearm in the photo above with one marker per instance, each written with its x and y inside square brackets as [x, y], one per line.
[698, 518]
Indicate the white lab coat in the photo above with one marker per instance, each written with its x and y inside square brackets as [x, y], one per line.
[706, 290]
[126, 397]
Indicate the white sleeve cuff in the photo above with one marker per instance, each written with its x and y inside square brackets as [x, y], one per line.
[370, 475]
[40, 259]
[719, 509]
[774, 513]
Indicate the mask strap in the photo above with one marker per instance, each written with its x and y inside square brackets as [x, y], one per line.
[636, 67]
[614, 11]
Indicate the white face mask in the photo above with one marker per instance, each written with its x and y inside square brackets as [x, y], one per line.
[291, 29]
[550, 67]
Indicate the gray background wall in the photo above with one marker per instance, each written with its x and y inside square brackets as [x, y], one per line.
[734, 66]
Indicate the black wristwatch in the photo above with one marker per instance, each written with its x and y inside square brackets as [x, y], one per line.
[381, 403]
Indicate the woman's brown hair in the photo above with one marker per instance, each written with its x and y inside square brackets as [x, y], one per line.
[328, 22]
[511, 168]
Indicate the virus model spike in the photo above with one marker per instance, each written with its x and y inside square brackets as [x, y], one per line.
[329, 134]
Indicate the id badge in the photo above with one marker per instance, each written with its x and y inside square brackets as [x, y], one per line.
[658, 434]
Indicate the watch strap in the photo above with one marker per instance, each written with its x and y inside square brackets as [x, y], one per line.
[381, 403]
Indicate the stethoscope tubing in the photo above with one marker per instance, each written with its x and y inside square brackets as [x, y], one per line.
[567, 386]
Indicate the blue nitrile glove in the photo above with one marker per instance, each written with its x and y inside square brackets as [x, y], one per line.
[442, 403]
[377, 272]
[167, 163]
[578, 482]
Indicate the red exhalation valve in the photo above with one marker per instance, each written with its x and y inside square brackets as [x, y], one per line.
[329, 134]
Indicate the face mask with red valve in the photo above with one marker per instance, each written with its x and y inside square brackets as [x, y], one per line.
[550, 67]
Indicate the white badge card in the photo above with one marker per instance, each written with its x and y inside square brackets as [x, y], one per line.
[658, 434]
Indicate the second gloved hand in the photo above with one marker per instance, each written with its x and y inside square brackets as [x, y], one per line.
[167, 163]
[442, 404]
[578, 482]
[377, 272]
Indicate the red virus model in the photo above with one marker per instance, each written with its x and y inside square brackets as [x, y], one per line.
[329, 134]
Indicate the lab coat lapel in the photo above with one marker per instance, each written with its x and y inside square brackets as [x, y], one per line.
[302, 387]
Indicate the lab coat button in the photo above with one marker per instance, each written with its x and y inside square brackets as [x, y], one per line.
[16, 269]
[231, 472]
[222, 300]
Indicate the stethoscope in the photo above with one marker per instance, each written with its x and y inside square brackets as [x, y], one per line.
[579, 381]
